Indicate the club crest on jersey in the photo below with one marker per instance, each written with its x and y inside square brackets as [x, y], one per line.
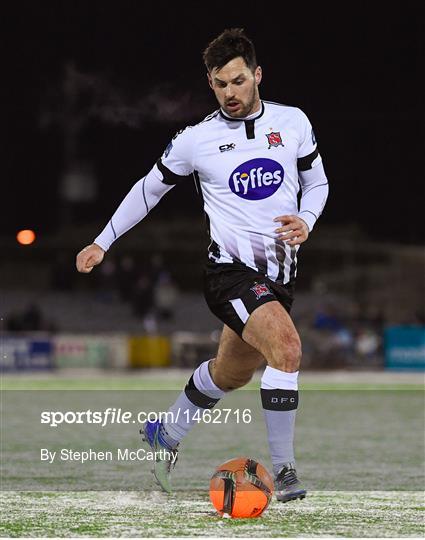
[256, 179]
[274, 139]
[260, 289]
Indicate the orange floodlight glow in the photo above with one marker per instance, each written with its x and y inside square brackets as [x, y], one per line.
[25, 237]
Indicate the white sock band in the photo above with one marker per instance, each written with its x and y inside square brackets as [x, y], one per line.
[275, 378]
[204, 383]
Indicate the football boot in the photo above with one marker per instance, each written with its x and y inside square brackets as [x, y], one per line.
[165, 456]
[287, 486]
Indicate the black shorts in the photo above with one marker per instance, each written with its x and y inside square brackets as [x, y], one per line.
[233, 291]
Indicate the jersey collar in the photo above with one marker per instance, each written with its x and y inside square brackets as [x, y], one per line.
[251, 117]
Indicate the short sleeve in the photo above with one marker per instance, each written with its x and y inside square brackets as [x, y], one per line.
[177, 160]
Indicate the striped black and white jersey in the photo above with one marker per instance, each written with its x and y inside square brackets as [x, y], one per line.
[249, 171]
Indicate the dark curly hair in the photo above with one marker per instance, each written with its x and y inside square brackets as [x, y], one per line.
[230, 44]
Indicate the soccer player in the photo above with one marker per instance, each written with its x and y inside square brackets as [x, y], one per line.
[249, 158]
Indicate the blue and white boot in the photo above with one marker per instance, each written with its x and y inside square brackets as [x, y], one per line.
[165, 456]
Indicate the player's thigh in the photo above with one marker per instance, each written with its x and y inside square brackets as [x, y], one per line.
[270, 331]
[236, 361]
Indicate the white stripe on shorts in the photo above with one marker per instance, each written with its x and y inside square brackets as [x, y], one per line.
[240, 309]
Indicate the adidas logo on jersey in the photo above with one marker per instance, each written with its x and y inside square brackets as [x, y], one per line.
[256, 179]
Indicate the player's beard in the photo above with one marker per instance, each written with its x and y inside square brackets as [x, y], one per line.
[246, 108]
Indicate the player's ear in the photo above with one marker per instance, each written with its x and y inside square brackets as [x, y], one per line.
[258, 74]
[209, 79]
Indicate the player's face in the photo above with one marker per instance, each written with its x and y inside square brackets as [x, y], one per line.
[236, 88]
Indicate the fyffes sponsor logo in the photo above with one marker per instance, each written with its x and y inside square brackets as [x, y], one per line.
[256, 179]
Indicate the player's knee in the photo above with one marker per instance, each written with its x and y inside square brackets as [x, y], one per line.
[288, 357]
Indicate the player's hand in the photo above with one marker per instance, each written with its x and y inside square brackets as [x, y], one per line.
[294, 230]
[88, 257]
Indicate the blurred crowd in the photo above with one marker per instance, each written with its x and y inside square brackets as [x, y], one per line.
[148, 288]
[29, 319]
[335, 336]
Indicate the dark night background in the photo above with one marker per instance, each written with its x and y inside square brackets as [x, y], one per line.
[355, 69]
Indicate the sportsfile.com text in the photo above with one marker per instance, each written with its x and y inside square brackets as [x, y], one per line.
[113, 415]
